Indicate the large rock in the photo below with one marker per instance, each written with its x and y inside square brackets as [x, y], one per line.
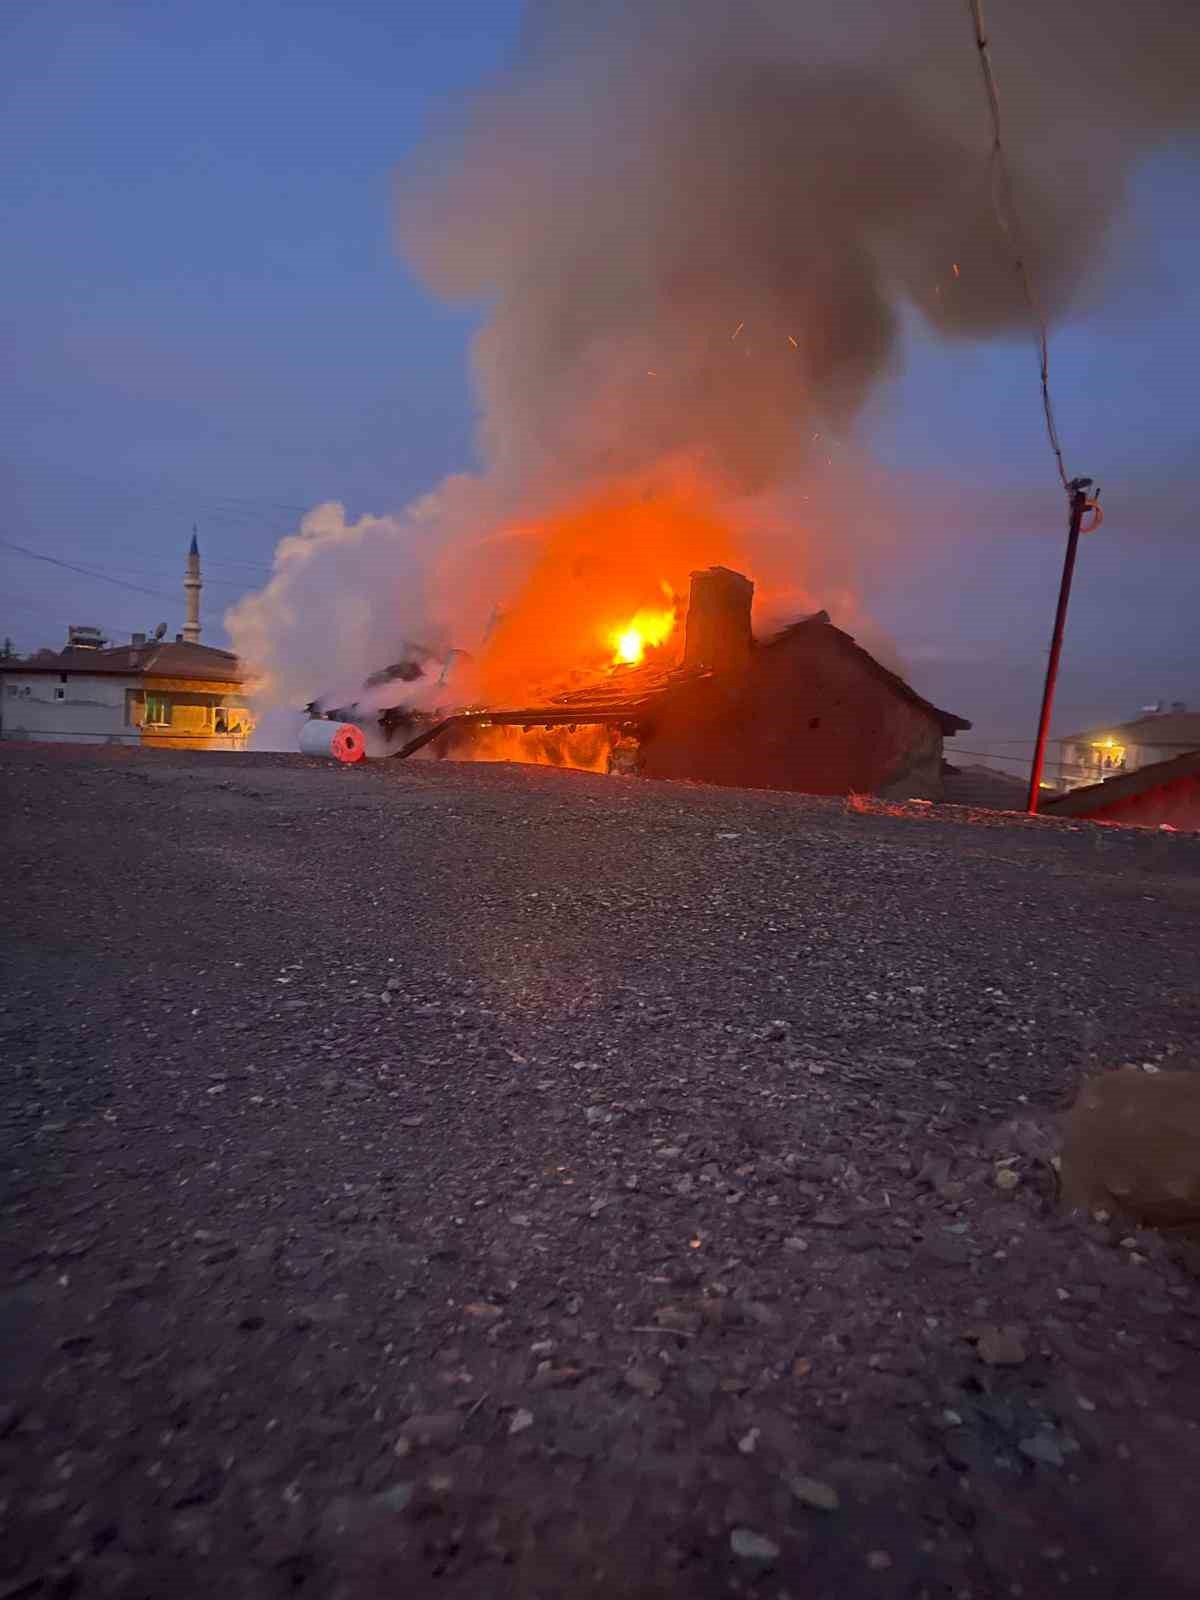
[1132, 1146]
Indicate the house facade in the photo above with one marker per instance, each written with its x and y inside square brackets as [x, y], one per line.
[1097, 755]
[177, 695]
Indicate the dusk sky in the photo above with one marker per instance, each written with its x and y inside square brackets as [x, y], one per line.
[206, 321]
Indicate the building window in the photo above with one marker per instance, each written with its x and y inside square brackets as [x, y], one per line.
[158, 711]
[1108, 757]
[60, 694]
[231, 721]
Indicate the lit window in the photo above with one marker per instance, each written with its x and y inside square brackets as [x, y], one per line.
[158, 711]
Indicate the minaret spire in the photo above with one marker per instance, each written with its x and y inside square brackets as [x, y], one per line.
[191, 589]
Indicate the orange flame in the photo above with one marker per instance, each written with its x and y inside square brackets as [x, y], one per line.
[646, 629]
[596, 575]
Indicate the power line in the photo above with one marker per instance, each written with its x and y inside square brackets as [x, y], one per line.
[87, 572]
[111, 575]
[1010, 225]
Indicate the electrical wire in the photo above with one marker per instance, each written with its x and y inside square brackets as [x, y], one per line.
[111, 576]
[87, 572]
[1010, 225]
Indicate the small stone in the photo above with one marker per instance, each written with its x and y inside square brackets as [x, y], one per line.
[385, 998]
[393, 984]
[1131, 1144]
[483, 1311]
[748, 1442]
[878, 1560]
[678, 1319]
[1001, 1347]
[1084, 1404]
[644, 1379]
[812, 1492]
[551, 1377]
[1007, 1178]
[434, 1427]
[520, 1421]
[941, 1251]
[395, 1498]
[1042, 1448]
[795, 1242]
[752, 1546]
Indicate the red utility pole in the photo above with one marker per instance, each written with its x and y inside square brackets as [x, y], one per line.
[1079, 504]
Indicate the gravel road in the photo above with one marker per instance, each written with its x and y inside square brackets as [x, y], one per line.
[491, 1181]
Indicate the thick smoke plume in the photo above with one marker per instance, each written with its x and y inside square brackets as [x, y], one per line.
[697, 225]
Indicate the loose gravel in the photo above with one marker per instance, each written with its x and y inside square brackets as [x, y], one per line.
[463, 1180]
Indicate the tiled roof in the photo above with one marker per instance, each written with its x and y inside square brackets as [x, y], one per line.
[820, 620]
[1168, 728]
[160, 660]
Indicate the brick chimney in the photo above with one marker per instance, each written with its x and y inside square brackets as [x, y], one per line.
[718, 621]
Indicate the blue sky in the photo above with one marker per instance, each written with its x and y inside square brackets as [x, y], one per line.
[206, 322]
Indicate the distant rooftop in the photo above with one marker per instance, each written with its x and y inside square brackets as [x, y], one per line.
[1175, 727]
[157, 658]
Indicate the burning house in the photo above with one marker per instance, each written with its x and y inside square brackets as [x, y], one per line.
[805, 708]
[699, 236]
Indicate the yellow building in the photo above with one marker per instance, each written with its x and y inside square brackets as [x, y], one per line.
[176, 694]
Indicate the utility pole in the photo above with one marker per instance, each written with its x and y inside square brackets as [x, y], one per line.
[1078, 488]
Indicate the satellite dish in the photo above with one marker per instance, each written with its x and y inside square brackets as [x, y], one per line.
[161, 631]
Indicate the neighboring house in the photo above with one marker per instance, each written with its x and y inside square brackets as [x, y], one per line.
[1100, 754]
[1165, 792]
[805, 709]
[183, 695]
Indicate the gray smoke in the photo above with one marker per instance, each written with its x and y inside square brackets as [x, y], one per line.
[697, 228]
[696, 222]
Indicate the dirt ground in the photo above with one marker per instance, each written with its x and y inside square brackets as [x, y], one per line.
[485, 1181]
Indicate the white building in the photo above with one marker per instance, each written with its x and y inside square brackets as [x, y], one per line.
[1161, 733]
[179, 694]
